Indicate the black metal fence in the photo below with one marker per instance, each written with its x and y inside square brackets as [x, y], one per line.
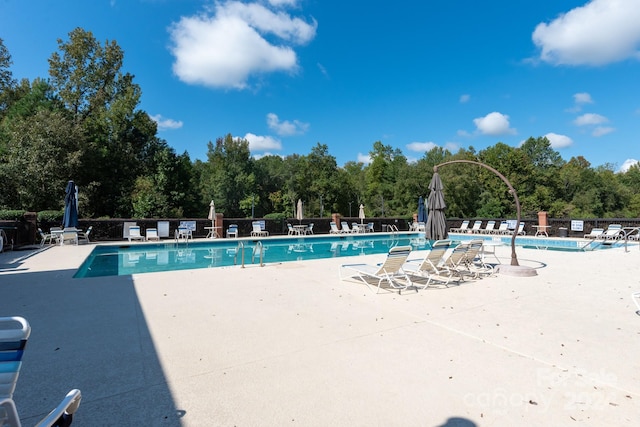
[24, 231]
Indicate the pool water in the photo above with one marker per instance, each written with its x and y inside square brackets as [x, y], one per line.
[113, 260]
[123, 260]
[558, 244]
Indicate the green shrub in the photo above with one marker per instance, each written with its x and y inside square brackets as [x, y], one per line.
[276, 215]
[50, 216]
[12, 215]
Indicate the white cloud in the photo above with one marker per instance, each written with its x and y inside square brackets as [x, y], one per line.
[627, 164]
[590, 119]
[463, 133]
[602, 130]
[582, 98]
[282, 3]
[558, 141]
[234, 41]
[452, 146]
[494, 124]
[364, 158]
[464, 98]
[262, 143]
[286, 128]
[598, 33]
[421, 147]
[165, 124]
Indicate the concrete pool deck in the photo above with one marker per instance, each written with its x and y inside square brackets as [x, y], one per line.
[291, 344]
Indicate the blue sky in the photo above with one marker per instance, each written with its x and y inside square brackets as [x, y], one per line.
[288, 74]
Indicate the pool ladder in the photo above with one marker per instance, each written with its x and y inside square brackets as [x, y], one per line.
[258, 249]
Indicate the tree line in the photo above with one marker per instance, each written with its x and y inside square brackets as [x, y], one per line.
[83, 122]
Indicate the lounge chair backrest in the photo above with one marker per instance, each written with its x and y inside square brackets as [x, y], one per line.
[134, 231]
[256, 227]
[504, 226]
[345, 226]
[458, 255]
[464, 225]
[476, 225]
[395, 260]
[490, 226]
[474, 248]
[435, 256]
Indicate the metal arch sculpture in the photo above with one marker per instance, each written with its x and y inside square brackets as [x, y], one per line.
[514, 257]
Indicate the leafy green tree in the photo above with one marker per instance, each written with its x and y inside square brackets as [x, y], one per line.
[87, 78]
[229, 175]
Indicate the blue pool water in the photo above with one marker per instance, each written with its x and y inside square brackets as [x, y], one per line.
[149, 257]
[565, 244]
[122, 260]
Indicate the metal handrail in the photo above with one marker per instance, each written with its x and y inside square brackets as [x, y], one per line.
[258, 248]
[240, 249]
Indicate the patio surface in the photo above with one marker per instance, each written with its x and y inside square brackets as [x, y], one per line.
[291, 344]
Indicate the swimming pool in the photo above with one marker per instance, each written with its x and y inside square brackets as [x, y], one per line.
[557, 244]
[123, 260]
[126, 259]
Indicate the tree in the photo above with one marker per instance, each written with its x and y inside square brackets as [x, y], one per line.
[229, 175]
[102, 101]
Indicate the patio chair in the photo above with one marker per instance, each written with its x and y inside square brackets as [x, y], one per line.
[83, 236]
[464, 227]
[45, 237]
[458, 261]
[292, 231]
[309, 229]
[489, 228]
[345, 227]
[594, 233]
[232, 231]
[430, 267]
[613, 232]
[476, 227]
[134, 233]
[636, 299]
[370, 228]
[388, 272]
[69, 234]
[334, 228]
[14, 333]
[152, 234]
[520, 231]
[257, 230]
[502, 229]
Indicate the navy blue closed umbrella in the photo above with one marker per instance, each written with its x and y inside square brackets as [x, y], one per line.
[422, 211]
[70, 206]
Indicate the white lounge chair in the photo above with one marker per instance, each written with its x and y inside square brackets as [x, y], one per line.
[430, 267]
[613, 232]
[594, 233]
[257, 230]
[389, 272]
[134, 233]
[464, 227]
[636, 299]
[476, 227]
[503, 228]
[489, 228]
[334, 228]
[345, 227]
[14, 333]
[152, 234]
